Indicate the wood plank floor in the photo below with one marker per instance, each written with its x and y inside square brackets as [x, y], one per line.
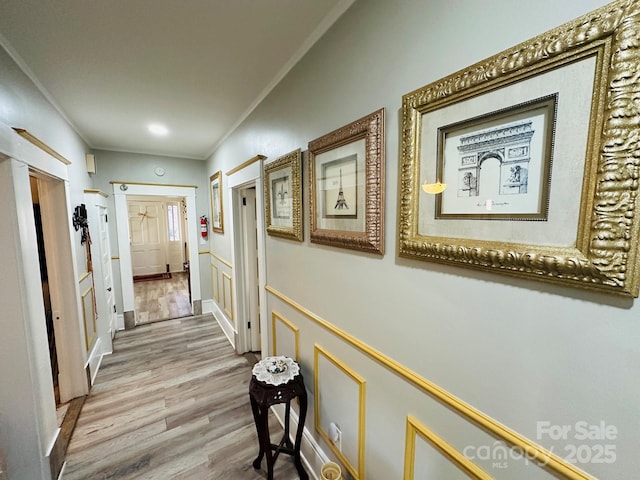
[171, 402]
[162, 298]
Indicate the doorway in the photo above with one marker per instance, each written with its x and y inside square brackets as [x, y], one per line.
[32, 425]
[248, 257]
[58, 286]
[158, 256]
[249, 302]
[183, 199]
[46, 297]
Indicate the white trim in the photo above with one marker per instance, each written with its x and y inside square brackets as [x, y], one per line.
[95, 357]
[225, 324]
[64, 465]
[207, 306]
[262, 266]
[248, 177]
[98, 365]
[122, 225]
[53, 441]
[119, 324]
[37, 413]
[14, 146]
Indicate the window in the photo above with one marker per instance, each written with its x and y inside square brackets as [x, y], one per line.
[173, 221]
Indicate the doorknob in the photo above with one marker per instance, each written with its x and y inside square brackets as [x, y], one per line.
[109, 289]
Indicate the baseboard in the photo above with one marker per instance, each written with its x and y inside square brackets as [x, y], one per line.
[225, 324]
[93, 362]
[207, 306]
[119, 323]
[93, 378]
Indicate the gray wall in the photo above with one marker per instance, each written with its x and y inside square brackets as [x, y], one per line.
[139, 168]
[23, 106]
[26, 413]
[519, 351]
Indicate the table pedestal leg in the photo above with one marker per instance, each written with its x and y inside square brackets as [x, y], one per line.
[298, 462]
[261, 418]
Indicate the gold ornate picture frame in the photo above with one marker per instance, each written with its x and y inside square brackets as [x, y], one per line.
[346, 186]
[283, 196]
[217, 213]
[590, 238]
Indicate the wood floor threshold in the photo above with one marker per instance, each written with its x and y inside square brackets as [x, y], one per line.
[59, 450]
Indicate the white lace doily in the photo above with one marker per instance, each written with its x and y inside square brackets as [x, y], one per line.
[276, 370]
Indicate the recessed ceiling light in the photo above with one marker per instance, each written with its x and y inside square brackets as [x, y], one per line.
[158, 129]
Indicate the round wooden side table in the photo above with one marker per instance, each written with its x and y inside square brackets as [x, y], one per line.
[262, 396]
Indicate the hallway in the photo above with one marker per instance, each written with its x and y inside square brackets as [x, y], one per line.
[160, 299]
[170, 402]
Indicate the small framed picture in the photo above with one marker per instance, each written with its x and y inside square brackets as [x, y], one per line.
[283, 196]
[217, 216]
[346, 185]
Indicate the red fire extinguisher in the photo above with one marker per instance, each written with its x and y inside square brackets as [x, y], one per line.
[204, 226]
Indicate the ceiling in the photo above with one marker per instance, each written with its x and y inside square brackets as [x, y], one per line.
[198, 67]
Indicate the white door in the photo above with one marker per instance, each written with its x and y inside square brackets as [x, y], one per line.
[107, 272]
[146, 227]
[250, 266]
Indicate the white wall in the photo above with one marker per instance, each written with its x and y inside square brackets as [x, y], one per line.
[519, 351]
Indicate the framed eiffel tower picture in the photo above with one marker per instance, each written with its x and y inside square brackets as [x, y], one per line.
[339, 187]
[346, 186]
[283, 196]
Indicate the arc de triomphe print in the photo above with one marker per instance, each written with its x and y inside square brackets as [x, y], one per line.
[510, 145]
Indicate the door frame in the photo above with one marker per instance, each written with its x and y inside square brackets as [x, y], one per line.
[249, 176]
[32, 425]
[247, 225]
[120, 192]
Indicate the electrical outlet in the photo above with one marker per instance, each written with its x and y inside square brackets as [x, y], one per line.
[335, 435]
